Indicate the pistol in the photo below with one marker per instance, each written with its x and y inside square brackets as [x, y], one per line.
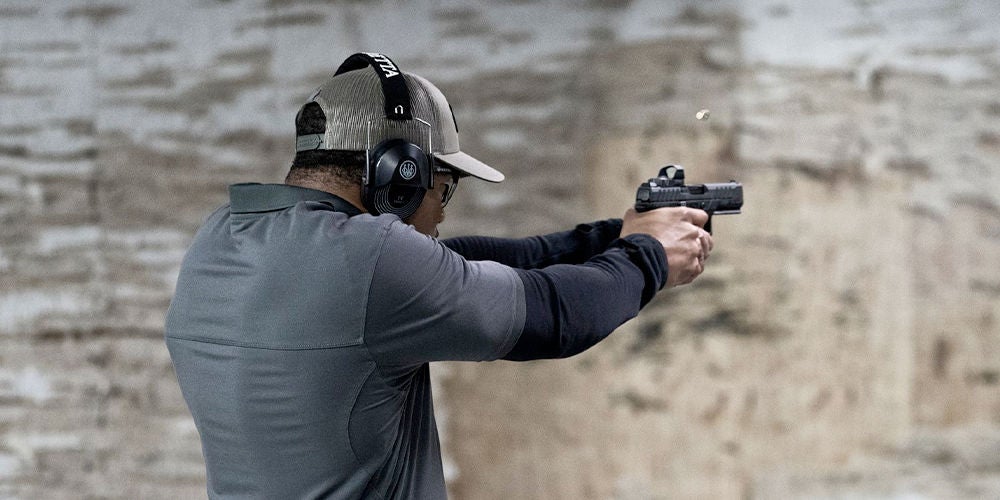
[667, 189]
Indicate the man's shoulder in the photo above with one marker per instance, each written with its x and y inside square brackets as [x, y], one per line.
[362, 235]
[361, 229]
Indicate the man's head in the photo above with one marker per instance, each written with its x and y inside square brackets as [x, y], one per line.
[389, 133]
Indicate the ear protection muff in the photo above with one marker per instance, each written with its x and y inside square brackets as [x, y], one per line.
[398, 176]
[398, 172]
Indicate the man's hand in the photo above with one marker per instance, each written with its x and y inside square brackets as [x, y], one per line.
[680, 231]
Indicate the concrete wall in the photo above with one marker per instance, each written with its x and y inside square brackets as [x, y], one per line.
[843, 341]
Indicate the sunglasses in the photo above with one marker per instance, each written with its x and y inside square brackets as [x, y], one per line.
[449, 187]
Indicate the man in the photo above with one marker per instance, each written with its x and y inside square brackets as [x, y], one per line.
[306, 313]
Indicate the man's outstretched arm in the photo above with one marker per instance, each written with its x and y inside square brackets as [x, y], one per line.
[566, 247]
[569, 308]
[427, 303]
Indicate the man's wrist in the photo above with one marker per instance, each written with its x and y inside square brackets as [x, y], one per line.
[647, 253]
[599, 234]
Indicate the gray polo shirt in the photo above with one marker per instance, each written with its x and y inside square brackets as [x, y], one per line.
[301, 335]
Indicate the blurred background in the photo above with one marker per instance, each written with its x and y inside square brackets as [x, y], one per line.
[844, 341]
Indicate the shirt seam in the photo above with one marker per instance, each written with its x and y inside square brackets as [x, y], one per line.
[520, 312]
[350, 414]
[260, 345]
[368, 297]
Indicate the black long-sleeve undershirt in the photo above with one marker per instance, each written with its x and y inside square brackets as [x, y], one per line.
[566, 247]
[579, 285]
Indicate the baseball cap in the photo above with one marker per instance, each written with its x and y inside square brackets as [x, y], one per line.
[357, 118]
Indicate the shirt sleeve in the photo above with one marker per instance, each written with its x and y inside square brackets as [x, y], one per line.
[572, 307]
[567, 247]
[427, 303]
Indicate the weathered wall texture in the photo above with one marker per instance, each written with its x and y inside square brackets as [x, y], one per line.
[844, 341]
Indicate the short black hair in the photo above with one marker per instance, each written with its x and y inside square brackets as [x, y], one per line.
[348, 166]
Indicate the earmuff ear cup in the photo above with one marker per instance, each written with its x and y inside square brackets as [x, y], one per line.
[401, 201]
[397, 178]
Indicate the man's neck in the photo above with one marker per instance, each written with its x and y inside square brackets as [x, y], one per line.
[350, 194]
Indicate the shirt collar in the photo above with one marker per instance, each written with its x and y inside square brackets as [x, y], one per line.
[252, 197]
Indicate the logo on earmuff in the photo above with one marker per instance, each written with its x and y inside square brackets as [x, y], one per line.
[408, 169]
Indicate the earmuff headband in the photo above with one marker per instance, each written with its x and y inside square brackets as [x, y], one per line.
[394, 89]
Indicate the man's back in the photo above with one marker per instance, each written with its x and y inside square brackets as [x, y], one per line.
[267, 331]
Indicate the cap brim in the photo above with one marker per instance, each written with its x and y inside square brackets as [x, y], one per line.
[471, 166]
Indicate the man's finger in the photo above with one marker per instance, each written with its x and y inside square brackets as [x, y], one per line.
[696, 216]
[707, 241]
[706, 245]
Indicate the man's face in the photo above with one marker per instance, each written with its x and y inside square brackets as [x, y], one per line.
[430, 213]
